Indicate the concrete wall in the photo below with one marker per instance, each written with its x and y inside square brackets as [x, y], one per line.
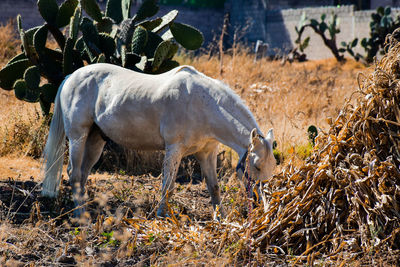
[277, 27]
[209, 21]
[352, 24]
[377, 3]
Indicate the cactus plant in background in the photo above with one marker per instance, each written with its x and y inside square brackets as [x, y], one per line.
[381, 25]
[297, 52]
[137, 42]
[312, 133]
[320, 28]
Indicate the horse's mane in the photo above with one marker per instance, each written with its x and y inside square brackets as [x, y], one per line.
[228, 99]
[239, 108]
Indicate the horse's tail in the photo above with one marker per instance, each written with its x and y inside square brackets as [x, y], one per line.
[53, 155]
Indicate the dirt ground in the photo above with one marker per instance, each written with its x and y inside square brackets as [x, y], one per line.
[111, 196]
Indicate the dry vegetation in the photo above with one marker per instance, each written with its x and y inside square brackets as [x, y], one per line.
[325, 210]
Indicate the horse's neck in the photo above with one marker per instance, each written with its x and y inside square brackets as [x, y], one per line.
[238, 123]
[238, 142]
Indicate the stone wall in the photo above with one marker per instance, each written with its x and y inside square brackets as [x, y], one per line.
[281, 34]
[209, 21]
[277, 27]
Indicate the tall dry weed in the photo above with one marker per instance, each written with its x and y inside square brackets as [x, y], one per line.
[24, 134]
[9, 44]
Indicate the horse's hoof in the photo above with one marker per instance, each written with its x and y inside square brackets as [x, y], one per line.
[78, 213]
[162, 214]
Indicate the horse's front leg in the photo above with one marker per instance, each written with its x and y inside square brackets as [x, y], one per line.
[208, 162]
[173, 156]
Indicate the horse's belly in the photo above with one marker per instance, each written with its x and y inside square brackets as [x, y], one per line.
[135, 137]
[141, 142]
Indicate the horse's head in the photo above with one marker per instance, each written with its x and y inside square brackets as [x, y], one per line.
[261, 157]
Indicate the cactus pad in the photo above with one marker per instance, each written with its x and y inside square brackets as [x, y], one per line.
[51, 68]
[126, 8]
[67, 65]
[127, 28]
[49, 10]
[101, 58]
[89, 32]
[189, 37]
[106, 44]
[40, 38]
[161, 54]
[112, 36]
[139, 40]
[20, 89]
[167, 65]
[166, 20]
[19, 23]
[45, 106]
[92, 9]
[153, 41]
[148, 9]
[20, 56]
[167, 35]
[114, 10]
[23, 92]
[74, 23]
[150, 24]
[48, 92]
[11, 72]
[172, 50]
[105, 25]
[32, 77]
[27, 43]
[65, 12]
[55, 55]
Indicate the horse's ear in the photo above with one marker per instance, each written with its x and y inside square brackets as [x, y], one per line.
[254, 137]
[270, 135]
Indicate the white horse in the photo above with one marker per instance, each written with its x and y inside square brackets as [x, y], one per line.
[181, 111]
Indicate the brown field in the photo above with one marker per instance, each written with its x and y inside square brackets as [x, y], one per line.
[120, 228]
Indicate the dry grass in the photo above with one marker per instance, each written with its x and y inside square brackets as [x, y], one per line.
[9, 44]
[21, 129]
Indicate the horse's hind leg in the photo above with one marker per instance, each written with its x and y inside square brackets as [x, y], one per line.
[93, 148]
[77, 143]
[208, 163]
[173, 156]
[84, 153]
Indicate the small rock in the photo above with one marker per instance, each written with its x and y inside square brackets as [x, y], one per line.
[66, 259]
[74, 250]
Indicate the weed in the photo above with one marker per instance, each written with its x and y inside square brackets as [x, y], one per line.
[9, 44]
[75, 232]
[109, 240]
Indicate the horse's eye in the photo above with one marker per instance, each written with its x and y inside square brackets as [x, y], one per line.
[258, 169]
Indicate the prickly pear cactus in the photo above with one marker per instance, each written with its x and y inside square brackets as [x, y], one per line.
[320, 28]
[112, 36]
[382, 23]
